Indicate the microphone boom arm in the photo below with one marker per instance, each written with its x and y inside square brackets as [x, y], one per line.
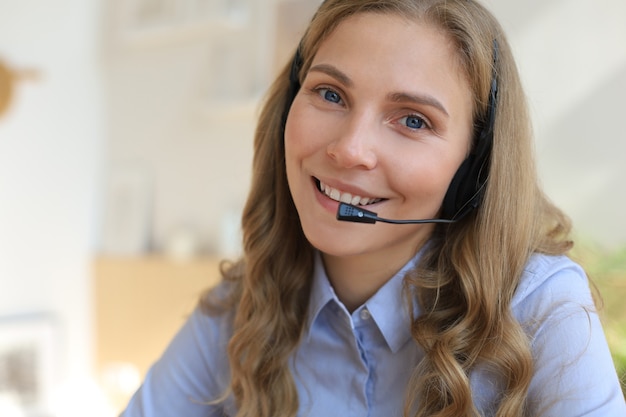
[350, 213]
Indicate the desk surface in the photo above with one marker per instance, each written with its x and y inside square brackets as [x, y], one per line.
[140, 303]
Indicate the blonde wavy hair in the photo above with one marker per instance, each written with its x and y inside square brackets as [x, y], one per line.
[464, 283]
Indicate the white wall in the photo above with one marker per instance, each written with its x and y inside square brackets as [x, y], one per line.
[572, 57]
[50, 161]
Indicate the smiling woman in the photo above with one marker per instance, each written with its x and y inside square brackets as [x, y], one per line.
[385, 105]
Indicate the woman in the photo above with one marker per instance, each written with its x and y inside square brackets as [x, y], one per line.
[412, 108]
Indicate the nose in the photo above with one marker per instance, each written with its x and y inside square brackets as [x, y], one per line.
[355, 143]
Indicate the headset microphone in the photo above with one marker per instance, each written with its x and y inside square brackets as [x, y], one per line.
[350, 213]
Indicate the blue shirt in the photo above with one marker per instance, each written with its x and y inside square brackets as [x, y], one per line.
[359, 364]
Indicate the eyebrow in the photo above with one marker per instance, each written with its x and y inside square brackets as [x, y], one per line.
[420, 99]
[333, 72]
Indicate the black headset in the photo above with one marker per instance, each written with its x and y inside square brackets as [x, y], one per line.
[467, 187]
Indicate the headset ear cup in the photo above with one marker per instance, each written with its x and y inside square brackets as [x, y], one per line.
[450, 201]
[467, 187]
[294, 85]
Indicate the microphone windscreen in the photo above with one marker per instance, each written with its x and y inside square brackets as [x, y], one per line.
[355, 214]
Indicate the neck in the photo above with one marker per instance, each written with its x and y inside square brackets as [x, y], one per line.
[357, 278]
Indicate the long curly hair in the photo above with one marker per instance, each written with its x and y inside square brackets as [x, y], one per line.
[464, 283]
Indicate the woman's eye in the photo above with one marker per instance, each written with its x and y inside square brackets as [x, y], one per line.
[329, 95]
[413, 122]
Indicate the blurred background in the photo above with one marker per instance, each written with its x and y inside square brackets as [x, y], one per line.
[125, 148]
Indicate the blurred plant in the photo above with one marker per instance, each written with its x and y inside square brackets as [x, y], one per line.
[607, 270]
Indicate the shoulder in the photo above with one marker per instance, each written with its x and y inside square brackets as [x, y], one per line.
[212, 320]
[199, 349]
[549, 280]
[573, 370]
[193, 371]
[554, 292]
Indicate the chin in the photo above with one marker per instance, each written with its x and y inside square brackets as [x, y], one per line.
[331, 239]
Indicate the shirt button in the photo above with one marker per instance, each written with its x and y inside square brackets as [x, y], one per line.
[365, 314]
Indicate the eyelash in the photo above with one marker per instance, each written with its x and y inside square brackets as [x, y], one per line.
[423, 122]
[323, 91]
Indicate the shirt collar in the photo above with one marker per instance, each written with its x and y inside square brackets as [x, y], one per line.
[389, 310]
[387, 306]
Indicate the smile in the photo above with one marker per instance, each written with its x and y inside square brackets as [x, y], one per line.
[343, 197]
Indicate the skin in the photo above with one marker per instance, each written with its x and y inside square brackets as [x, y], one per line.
[385, 113]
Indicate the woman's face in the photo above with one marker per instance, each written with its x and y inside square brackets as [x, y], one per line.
[383, 120]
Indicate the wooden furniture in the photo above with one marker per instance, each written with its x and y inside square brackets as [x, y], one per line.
[140, 303]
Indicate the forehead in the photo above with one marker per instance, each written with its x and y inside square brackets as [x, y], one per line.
[388, 31]
[394, 50]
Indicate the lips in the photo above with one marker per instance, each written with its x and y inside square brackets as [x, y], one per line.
[345, 197]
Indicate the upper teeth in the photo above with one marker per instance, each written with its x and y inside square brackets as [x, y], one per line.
[348, 198]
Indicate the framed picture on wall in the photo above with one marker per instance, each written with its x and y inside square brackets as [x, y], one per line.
[28, 358]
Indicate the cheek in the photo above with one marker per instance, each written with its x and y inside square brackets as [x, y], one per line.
[301, 137]
[425, 177]
[297, 142]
